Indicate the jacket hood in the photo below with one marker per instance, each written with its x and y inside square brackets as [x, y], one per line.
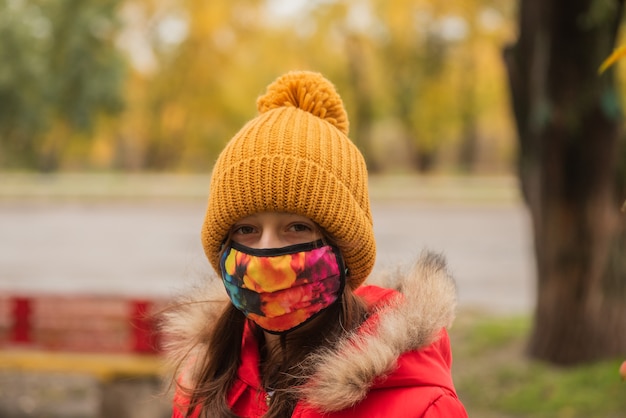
[409, 313]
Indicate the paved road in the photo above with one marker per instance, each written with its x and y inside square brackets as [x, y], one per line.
[151, 247]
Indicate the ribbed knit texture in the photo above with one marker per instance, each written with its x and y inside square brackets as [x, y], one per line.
[295, 157]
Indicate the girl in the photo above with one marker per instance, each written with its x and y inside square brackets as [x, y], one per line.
[289, 230]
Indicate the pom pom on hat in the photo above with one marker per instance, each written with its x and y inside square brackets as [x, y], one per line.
[313, 94]
[295, 157]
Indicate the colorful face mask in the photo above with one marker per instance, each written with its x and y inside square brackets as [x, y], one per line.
[282, 288]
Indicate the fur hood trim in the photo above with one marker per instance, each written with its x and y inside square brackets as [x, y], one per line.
[411, 321]
[343, 375]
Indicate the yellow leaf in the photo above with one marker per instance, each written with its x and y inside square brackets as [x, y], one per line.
[617, 54]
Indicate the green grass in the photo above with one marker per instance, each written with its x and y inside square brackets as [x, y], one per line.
[494, 377]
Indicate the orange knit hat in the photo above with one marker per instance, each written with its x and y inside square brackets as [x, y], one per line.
[295, 157]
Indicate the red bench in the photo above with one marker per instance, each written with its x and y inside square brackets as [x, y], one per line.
[80, 323]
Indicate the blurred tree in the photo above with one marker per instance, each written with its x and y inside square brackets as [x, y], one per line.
[362, 119]
[196, 65]
[433, 59]
[60, 70]
[341, 48]
[572, 167]
[413, 56]
[483, 27]
[201, 91]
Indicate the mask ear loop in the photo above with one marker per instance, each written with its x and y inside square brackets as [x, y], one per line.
[227, 239]
[322, 234]
[224, 246]
[326, 240]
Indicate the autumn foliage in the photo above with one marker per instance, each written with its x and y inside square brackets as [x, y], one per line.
[161, 85]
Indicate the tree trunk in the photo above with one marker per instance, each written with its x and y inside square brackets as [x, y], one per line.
[570, 155]
[364, 112]
[468, 150]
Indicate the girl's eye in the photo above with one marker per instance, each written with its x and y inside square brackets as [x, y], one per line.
[300, 228]
[243, 230]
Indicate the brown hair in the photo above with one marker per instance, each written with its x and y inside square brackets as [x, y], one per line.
[283, 369]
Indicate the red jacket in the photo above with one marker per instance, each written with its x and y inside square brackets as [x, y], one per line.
[398, 364]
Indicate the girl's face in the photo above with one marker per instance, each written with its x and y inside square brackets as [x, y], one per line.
[274, 230]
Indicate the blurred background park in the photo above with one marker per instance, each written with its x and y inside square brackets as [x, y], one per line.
[489, 136]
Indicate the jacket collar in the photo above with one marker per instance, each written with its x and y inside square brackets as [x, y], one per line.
[408, 316]
[408, 320]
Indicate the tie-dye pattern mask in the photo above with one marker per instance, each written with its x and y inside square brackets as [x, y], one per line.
[282, 288]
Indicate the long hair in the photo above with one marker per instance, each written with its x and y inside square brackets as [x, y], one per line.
[283, 368]
[286, 369]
